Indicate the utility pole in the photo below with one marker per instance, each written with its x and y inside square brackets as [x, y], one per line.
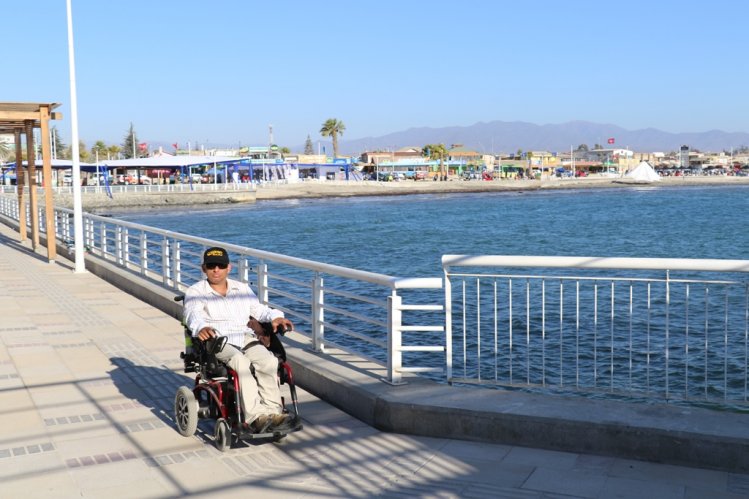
[270, 148]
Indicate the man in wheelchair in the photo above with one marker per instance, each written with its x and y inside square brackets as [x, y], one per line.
[221, 306]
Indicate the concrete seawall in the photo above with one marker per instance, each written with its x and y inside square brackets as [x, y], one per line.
[99, 201]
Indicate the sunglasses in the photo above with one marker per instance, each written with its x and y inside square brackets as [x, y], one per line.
[211, 266]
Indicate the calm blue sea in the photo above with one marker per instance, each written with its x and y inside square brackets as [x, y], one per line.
[407, 235]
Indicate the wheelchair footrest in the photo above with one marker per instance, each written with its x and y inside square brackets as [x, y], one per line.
[248, 434]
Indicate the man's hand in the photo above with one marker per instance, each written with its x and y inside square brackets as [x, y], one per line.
[287, 324]
[206, 333]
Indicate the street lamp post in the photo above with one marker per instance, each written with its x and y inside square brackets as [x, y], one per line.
[80, 265]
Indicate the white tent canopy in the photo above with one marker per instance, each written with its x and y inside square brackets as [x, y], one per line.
[644, 173]
[169, 161]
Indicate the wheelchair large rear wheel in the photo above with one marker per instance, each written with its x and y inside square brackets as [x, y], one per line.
[186, 411]
[222, 435]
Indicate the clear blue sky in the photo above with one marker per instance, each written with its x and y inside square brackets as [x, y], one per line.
[222, 71]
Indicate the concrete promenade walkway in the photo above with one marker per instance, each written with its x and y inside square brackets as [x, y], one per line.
[87, 379]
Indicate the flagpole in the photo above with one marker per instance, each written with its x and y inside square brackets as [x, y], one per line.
[80, 264]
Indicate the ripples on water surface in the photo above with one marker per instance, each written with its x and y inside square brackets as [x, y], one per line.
[407, 235]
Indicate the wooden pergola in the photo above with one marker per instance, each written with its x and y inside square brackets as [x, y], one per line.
[18, 118]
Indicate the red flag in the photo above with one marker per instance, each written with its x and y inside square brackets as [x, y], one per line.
[175, 145]
[611, 140]
[142, 146]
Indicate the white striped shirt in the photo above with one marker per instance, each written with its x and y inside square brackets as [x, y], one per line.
[229, 314]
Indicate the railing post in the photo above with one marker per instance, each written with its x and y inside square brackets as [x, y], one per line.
[262, 282]
[166, 263]
[143, 252]
[395, 355]
[103, 239]
[118, 242]
[87, 232]
[318, 313]
[668, 307]
[448, 327]
[126, 246]
[243, 270]
[177, 263]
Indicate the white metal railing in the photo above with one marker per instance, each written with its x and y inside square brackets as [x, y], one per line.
[124, 189]
[384, 318]
[652, 327]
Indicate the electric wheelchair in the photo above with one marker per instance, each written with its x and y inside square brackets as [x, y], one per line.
[216, 395]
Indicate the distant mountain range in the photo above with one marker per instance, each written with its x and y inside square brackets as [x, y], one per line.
[508, 137]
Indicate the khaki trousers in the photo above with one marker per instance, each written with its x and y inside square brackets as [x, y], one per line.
[261, 393]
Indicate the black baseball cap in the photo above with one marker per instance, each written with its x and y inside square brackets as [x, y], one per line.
[215, 255]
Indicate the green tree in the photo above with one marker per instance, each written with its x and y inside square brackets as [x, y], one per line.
[597, 146]
[99, 150]
[333, 128]
[82, 152]
[113, 151]
[436, 152]
[285, 150]
[130, 144]
[308, 146]
[582, 147]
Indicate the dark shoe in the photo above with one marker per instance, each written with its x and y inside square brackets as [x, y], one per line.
[261, 424]
[287, 422]
[279, 421]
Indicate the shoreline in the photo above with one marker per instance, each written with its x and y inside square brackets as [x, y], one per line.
[318, 189]
[98, 203]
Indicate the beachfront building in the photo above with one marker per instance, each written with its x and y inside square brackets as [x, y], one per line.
[543, 163]
[612, 161]
[373, 158]
[459, 153]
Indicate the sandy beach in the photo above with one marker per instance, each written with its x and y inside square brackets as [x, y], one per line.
[319, 189]
[97, 202]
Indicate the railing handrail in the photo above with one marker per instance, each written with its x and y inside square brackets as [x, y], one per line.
[642, 334]
[371, 277]
[593, 262]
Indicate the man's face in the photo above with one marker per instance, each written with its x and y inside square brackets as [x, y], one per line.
[216, 274]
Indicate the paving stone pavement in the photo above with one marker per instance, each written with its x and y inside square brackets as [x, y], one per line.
[87, 379]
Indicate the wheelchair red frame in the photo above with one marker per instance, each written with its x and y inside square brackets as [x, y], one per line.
[216, 395]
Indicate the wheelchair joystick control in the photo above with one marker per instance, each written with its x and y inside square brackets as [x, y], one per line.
[216, 344]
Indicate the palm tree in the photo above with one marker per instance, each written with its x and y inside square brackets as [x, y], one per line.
[99, 150]
[5, 151]
[113, 152]
[333, 128]
[437, 152]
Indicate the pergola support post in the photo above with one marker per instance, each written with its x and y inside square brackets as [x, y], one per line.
[20, 187]
[49, 208]
[33, 203]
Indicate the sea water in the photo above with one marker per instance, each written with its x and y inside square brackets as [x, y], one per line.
[406, 236]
